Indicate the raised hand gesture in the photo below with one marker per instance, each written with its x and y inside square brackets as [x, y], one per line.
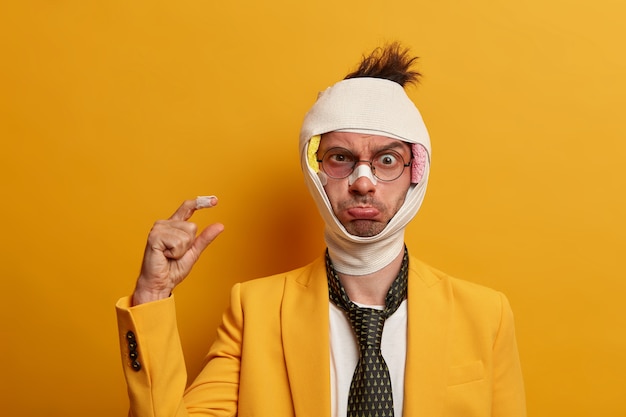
[172, 250]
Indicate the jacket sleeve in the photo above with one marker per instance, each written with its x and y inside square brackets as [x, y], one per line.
[508, 385]
[154, 365]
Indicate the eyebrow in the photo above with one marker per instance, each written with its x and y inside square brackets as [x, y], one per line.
[394, 146]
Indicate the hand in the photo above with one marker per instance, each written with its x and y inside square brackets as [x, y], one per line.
[172, 250]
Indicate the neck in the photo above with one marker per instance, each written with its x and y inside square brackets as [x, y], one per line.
[371, 289]
[352, 256]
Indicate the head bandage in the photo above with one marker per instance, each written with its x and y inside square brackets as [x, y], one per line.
[369, 106]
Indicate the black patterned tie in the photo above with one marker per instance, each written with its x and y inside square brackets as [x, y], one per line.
[370, 391]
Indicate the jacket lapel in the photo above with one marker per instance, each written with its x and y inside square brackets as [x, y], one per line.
[306, 342]
[428, 324]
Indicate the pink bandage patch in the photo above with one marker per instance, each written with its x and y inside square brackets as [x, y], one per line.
[420, 156]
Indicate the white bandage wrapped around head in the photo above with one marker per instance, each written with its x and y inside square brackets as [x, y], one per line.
[372, 106]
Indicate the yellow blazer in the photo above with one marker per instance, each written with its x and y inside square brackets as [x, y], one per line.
[271, 356]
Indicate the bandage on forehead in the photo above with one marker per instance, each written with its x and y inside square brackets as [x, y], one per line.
[370, 106]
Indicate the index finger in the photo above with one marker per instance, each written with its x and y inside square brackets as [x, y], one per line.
[186, 210]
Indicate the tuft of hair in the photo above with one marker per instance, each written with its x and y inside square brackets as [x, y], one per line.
[392, 62]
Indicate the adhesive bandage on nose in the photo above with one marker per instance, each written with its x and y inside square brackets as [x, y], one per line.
[362, 170]
[205, 201]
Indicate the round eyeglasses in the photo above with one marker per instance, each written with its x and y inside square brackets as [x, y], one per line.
[386, 165]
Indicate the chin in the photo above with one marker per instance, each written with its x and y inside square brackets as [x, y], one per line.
[364, 228]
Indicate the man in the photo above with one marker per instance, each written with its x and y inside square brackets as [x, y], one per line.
[366, 329]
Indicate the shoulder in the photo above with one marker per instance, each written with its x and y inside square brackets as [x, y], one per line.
[266, 297]
[303, 276]
[465, 295]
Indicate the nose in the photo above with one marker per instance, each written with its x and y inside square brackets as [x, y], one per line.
[362, 181]
[362, 169]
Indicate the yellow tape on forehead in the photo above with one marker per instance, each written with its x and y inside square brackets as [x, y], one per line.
[311, 153]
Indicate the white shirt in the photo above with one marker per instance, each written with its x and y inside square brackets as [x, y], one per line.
[344, 355]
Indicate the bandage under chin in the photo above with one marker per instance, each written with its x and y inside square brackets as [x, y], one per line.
[361, 170]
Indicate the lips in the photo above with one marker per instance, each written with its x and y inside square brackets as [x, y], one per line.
[364, 213]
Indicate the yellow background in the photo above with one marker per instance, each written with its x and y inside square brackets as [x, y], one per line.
[113, 112]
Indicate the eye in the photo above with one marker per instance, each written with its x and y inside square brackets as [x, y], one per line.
[388, 159]
[338, 162]
[339, 156]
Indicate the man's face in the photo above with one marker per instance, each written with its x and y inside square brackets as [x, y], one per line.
[362, 207]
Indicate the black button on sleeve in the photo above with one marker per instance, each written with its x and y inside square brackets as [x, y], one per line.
[132, 351]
